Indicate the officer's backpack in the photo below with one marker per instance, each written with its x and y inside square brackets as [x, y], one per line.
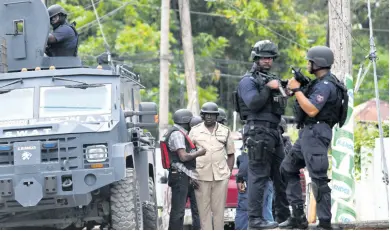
[344, 104]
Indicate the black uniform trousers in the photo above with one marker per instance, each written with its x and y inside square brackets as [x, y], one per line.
[194, 208]
[266, 152]
[310, 150]
[179, 183]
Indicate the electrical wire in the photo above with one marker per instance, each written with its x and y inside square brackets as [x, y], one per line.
[104, 37]
[346, 27]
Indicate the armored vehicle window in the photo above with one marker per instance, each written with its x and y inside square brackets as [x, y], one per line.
[17, 104]
[19, 26]
[61, 101]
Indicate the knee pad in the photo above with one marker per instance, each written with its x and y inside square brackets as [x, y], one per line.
[319, 189]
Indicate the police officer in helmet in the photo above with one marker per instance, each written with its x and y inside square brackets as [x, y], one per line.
[222, 118]
[182, 154]
[214, 168]
[64, 39]
[262, 105]
[318, 108]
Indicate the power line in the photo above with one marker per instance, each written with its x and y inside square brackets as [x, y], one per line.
[85, 7]
[88, 25]
[377, 30]
[269, 29]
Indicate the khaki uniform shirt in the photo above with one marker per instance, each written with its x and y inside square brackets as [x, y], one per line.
[218, 144]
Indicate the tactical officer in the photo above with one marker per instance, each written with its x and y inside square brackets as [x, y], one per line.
[318, 108]
[261, 104]
[213, 168]
[64, 39]
[222, 118]
[182, 154]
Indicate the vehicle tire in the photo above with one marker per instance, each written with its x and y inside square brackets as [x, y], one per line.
[149, 209]
[125, 203]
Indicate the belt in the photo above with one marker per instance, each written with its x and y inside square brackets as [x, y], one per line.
[175, 170]
[316, 122]
[263, 123]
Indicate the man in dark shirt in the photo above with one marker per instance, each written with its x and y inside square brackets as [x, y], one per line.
[64, 39]
[318, 108]
[262, 103]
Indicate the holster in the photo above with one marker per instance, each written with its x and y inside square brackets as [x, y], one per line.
[258, 150]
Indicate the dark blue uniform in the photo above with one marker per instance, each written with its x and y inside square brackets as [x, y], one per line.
[287, 147]
[241, 219]
[262, 108]
[67, 40]
[311, 148]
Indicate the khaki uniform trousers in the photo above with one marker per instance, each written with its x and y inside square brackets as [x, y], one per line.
[211, 197]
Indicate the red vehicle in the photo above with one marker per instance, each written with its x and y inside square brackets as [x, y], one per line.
[231, 199]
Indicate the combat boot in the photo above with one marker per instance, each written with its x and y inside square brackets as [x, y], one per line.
[258, 223]
[324, 225]
[297, 220]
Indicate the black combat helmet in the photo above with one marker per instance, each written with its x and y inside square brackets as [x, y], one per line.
[182, 116]
[195, 121]
[264, 49]
[209, 108]
[322, 56]
[283, 125]
[56, 9]
[222, 118]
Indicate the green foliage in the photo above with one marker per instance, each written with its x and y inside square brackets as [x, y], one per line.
[364, 136]
[223, 34]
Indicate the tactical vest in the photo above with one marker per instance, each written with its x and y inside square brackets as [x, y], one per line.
[57, 49]
[273, 108]
[332, 112]
[173, 156]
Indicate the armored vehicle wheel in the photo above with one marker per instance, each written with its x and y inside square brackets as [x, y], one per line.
[125, 203]
[149, 209]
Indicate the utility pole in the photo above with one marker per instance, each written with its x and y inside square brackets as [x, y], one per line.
[340, 29]
[343, 183]
[164, 69]
[189, 61]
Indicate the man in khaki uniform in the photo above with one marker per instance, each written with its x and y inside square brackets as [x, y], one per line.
[214, 168]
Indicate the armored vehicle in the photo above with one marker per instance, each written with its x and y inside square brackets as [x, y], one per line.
[75, 151]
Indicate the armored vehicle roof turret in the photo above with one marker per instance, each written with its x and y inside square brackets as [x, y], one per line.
[24, 31]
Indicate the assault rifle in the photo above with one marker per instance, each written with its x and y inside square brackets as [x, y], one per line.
[282, 83]
[303, 80]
